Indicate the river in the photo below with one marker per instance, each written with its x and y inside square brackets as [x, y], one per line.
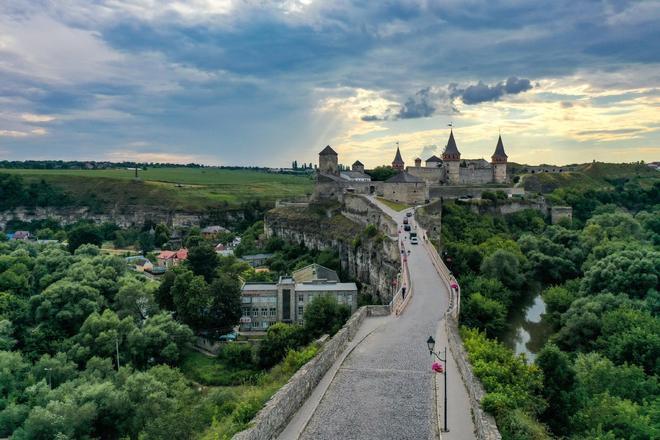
[528, 331]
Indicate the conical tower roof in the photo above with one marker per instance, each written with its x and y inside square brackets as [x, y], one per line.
[397, 158]
[499, 155]
[451, 150]
[327, 151]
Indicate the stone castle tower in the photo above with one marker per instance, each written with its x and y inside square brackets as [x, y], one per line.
[452, 158]
[358, 166]
[328, 163]
[397, 163]
[498, 160]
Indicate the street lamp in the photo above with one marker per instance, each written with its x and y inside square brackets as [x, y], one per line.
[430, 342]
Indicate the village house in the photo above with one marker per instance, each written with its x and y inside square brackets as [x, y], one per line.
[169, 259]
[223, 250]
[211, 232]
[257, 260]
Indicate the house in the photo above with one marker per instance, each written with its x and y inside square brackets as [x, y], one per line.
[139, 263]
[256, 260]
[223, 250]
[210, 232]
[170, 259]
[21, 235]
[263, 304]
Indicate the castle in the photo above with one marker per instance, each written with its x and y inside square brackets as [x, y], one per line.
[416, 184]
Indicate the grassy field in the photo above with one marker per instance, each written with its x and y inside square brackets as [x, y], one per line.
[188, 189]
[394, 205]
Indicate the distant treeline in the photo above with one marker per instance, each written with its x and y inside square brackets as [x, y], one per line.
[94, 165]
[14, 191]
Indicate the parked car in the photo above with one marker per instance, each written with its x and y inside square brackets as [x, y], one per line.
[406, 228]
[229, 337]
[405, 221]
[414, 240]
[409, 214]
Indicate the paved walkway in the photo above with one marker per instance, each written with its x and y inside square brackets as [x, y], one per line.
[383, 389]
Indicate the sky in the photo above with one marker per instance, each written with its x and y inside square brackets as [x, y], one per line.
[266, 82]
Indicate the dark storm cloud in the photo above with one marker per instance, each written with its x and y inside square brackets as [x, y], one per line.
[480, 92]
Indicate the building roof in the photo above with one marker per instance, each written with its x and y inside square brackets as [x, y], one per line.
[181, 254]
[433, 158]
[354, 175]
[451, 150]
[397, 158]
[358, 163]
[213, 229]
[314, 272]
[499, 150]
[327, 151]
[325, 287]
[261, 287]
[257, 257]
[404, 177]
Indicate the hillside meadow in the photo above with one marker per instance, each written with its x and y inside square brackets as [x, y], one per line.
[189, 189]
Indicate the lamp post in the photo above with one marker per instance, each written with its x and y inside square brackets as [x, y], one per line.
[430, 342]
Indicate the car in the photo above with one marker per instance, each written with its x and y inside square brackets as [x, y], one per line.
[229, 337]
[405, 221]
[414, 240]
[409, 214]
[406, 228]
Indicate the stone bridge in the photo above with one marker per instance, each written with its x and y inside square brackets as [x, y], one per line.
[373, 380]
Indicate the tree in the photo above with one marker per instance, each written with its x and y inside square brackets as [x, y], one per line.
[203, 260]
[225, 309]
[558, 383]
[324, 315]
[280, 338]
[192, 299]
[504, 266]
[163, 294]
[633, 272]
[485, 314]
[161, 339]
[161, 235]
[146, 242]
[135, 299]
[82, 234]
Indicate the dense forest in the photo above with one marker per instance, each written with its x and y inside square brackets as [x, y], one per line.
[597, 376]
[90, 349]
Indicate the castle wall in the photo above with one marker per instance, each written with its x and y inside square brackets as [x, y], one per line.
[328, 164]
[454, 192]
[409, 193]
[430, 175]
[475, 176]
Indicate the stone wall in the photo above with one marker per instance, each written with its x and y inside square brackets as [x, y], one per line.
[124, 217]
[558, 213]
[408, 193]
[486, 428]
[430, 175]
[373, 262]
[277, 412]
[362, 210]
[454, 192]
[475, 176]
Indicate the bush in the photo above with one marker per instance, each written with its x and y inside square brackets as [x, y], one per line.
[237, 355]
[324, 315]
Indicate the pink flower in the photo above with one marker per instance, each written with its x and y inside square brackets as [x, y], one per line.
[437, 367]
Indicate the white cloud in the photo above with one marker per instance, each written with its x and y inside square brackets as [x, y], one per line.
[30, 117]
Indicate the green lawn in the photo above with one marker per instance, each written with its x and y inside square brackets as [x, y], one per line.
[214, 371]
[186, 189]
[394, 205]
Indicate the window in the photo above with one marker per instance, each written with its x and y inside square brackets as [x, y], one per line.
[264, 312]
[273, 311]
[255, 312]
[349, 299]
[301, 297]
[264, 324]
[300, 311]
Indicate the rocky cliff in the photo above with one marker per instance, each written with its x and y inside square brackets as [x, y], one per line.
[371, 260]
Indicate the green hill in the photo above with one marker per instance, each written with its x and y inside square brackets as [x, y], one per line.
[184, 189]
[596, 175]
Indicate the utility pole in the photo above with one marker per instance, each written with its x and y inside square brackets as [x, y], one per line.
[117, 347]
[50, 380]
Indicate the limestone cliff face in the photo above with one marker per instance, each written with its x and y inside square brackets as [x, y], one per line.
[374, 261]
[124, 217]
